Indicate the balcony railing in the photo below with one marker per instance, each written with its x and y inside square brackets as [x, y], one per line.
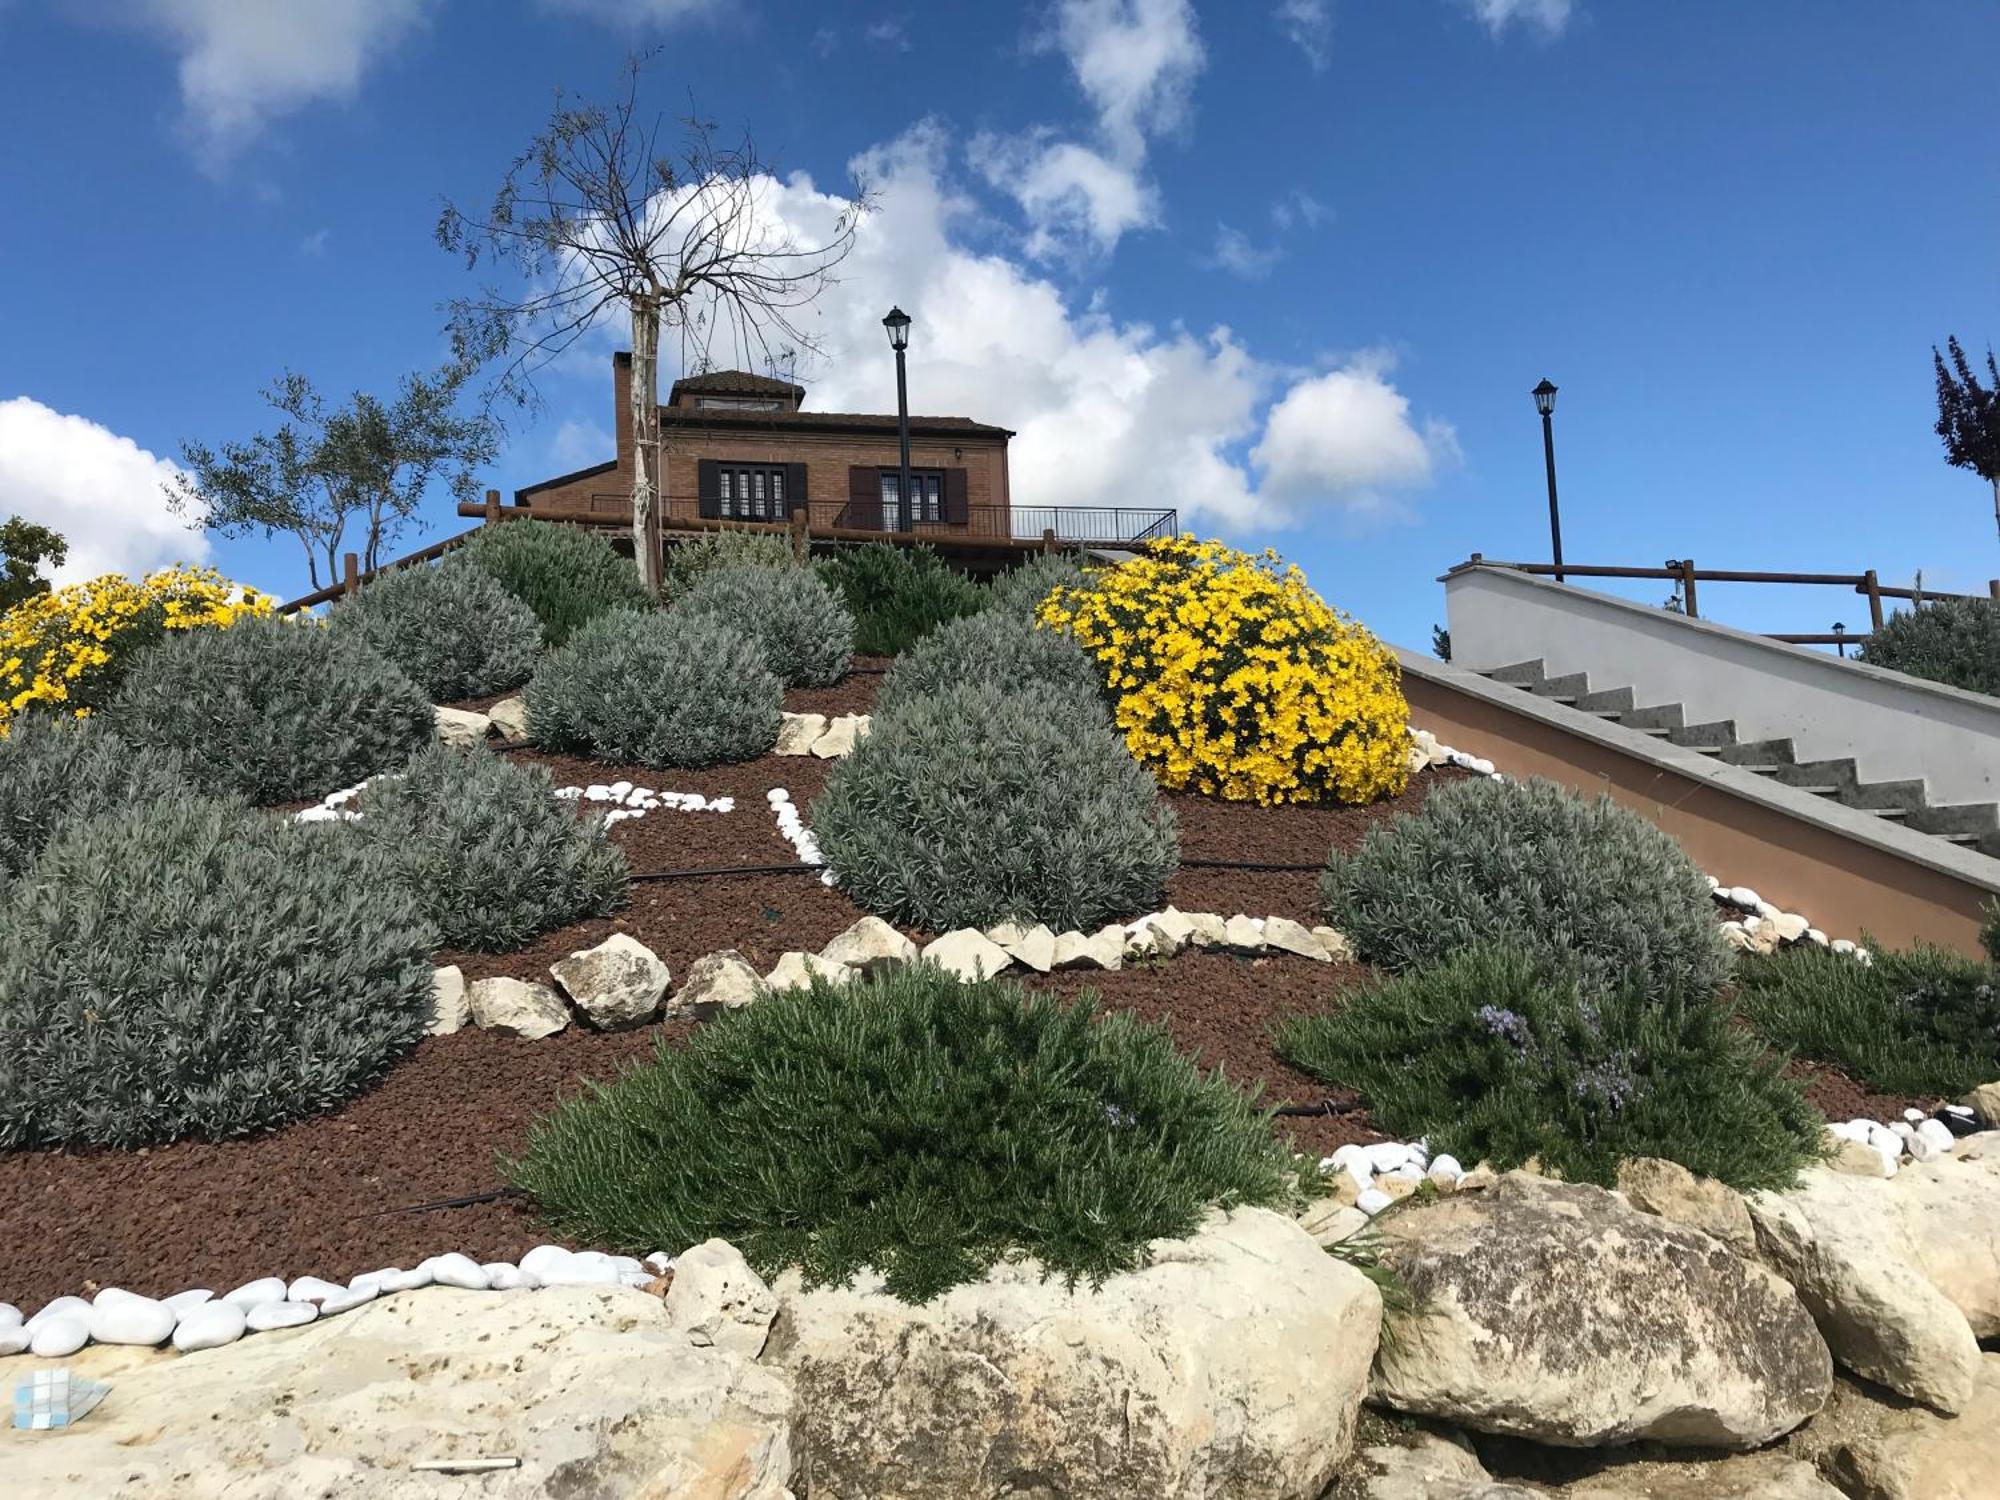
[1076, 525]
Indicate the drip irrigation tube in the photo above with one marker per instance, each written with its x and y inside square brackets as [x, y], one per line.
[1325, 1107]
[1250, 864]
[491, 1195]
[726, 870]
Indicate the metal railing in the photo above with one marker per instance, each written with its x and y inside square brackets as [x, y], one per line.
[1682, 571]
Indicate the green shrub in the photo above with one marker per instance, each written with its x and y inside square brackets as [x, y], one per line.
[1953, 641]
[192, 967]
[273, 710]
[1021, 590]
[909, 1122]
[1529, 863]
[1490, 1055]
[973, 805]
[804, 631]
[898, 594]
[490, 853]
[54, 772]
[659, 689]
[694, 558]
[1922, 1022]
[455, 630]
[1989, 930]
[565, 574]
[1000, 647]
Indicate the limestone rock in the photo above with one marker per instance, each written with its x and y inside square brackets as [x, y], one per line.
[1335, 942]
[509, 721]
[1984, 1102]
[1244, 934]
[1172, 1380]
[1163, 933]
[1747, 1476]
[1843, 1242]
[715, 982]
[968, 953]
[590, 1386]
[462, 729]
[840, 736]
[1556, 1312]
[1883, 1450]
[618, 983]
[1209, 930]
[1855, 1158]
[1330, 1220]
[516, 1008]
[450, 1010]
[871, 944]
[796, 733]
[1034, 949]
[795, 970]
[1657, 1186]
[1429, 1466]
[1288, 936]
[719, 1302]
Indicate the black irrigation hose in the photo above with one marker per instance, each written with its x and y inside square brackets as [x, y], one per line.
[1324, 1107]
[1249, 864]
[725, 870]
[491, 1195]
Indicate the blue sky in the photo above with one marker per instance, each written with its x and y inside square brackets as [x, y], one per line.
[1292, 267]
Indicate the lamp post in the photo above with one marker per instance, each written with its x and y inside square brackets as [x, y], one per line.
[898, 324]
[1545, 403]
[1840, 645]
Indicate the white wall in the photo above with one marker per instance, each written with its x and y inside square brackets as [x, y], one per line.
[1895, 727]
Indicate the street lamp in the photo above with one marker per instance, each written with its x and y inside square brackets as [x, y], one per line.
[1841, 644]
[898, 324]
[1545, 403]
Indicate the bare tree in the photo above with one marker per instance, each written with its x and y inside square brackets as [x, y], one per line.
[593, 214]
[1969, 416]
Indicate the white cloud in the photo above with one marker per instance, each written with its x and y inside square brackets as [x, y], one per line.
[632, 15]
[1308, 25]
[1299, 207]
[579, 444]
[1346, 437]
[315, 243]
[1136, 62]
[244, 63]
[1546, 16]
[103, 492]
[1235, 253]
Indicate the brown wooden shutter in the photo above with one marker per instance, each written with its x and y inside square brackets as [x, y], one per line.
[708, 486]
[864, 497]
[957, 508]
[795, 488]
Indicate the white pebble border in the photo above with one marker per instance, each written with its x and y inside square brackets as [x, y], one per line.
[198, 1319]
[1407, 1164]
[795, 832]
[629, 801]
[1915, 1137]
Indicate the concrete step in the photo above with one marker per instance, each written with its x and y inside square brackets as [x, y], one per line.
[1567, 688]
[1616, 700]
[1517, 674]
[1664, 718]
[1705, 737]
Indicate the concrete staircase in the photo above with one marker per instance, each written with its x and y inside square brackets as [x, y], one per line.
[1974, 825]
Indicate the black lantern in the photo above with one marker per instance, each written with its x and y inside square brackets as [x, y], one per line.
[1545, 397]
[898, 324]
[1545, 403]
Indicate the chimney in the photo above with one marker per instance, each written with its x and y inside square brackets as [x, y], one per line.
[621, 396]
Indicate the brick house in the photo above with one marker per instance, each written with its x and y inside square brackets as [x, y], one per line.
[745, 447]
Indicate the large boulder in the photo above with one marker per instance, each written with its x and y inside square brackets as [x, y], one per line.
[590, 1387]
[1845, 1243]
[1883, 1449]
[618, 983]
[1557, 1312]
[1231, 1365]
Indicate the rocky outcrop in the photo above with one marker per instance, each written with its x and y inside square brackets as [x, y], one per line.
[618, 983]
[590, 1387]
[1842, 1241]
[1874, 1448]
[1558, 1313]
[1232, 1365]
[1749, 1476]
[1656, 1186]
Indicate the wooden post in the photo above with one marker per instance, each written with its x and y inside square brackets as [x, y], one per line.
[801, 533]
[1993, 587]
[1872, 587]
[350, 574]
[492, 507]
[1048, 539]
[1687, 588]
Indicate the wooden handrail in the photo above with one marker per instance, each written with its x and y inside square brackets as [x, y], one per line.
[351, 577]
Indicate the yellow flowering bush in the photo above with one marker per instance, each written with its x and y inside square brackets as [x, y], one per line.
[67, 650]
[1232, 678]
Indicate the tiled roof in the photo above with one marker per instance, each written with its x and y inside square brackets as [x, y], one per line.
[735, 383]
[826, 421]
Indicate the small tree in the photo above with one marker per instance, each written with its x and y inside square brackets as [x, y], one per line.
[24, 548]
[1969, 416]
[594, 214]
[369, 462]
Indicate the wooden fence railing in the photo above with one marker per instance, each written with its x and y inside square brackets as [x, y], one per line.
[1682, 571]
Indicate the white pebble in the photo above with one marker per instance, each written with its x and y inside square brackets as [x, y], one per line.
[313, 1289]
[1903, 1128]
[1372, 1201]
[14, 1337]
[185, 1302]
[584, 1268]
[210, 1326]
[620, 790]
[502, 1277]
[1938, 1134]
[1921, 1149]
[1445, 1169]
[1409, 1171]
[660, 1261]
[340, 1302]
[265, 1316]
[265, 1289]
[597, 793]
[128, 1319]
[1842, 945]
[62, 1334]
[59, 1307]
[1814, 935]
[454, 1269]
[1914, 1115]
[542, 1258]
[10, 1315]
[1387, 1155]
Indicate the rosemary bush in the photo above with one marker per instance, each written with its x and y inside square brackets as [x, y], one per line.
[898, 594]
[273, 710]
[565, 574]
[1989, 930]
[1001, 647]
[1953, 641]
[804, 631]
[658, 689]
[1491, 1055]
[973, 805]
[913, 1123]
[454, 629]
[489, 852]
[1529, 863]
[54, 772]
[1922, 1021]
[192, 967]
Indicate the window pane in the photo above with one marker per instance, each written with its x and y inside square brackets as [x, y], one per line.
[778, 484]
[892, 511]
